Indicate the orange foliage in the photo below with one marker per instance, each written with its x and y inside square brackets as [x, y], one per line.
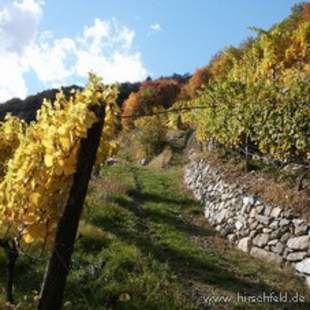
[200, 77]
[307, 11]
[159, 93]
[217, 69]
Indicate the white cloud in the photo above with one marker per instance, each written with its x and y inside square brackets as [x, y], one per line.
[155, 27]
[12, 83]
[49, 59]
[19, 21]
[105, 47]
[119, 67]
[18, 28]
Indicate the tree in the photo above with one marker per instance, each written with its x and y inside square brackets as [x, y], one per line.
[152, 94]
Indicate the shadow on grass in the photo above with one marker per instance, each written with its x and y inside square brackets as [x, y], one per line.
[191, 265]
[28, 276]
[159, 217]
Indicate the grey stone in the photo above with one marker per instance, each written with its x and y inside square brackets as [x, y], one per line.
[230, 220]
[296, 256]
[263, 219]
[299, 243]
[231, 237]
[143, 162]
[238, 225]
[244, 209]
[266, 231]
[253, 213]
[218, 228]
[253, 233]
[301, 229]
[245, 244]
[273, 242]
[284, 222]
[258, 203]
[219, 218]
[261, 240]
[248, 201]
[207, 213]
[228, 230]
[289, 214]
[245, 232]
[274, 225]
[278, 248]
[259, 209]
[285, 237]
[303, 266]
[265, 255]
[286, 252]
[297, 222]
[253, 225]
[267, 210]
[276, 211]
[225, 196]
[276, 234]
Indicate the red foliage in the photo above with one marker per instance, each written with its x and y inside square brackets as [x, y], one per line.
[163, 91]
[158, 93]
[307, 11]
[200, 77]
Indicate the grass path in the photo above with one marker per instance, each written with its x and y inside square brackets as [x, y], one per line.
[157, 218]
[144, 244]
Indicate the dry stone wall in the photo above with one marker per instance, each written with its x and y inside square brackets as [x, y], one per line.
[265, 231]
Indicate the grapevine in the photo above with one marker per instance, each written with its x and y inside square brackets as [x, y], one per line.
[39, 172]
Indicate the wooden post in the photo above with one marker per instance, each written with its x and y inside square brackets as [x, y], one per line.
[59, 265]
[247, 166]
[11, 252]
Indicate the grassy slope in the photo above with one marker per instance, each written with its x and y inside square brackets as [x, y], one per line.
[145, 245]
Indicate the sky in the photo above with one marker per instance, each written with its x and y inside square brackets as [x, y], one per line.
[50, 43]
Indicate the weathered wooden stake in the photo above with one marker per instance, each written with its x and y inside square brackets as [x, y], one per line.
[11, 253]
[59, 265]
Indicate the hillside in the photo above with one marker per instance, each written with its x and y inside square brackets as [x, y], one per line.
[255, 96]
[144, 244]
[27, 109]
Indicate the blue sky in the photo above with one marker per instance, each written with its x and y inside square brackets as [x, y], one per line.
[50, 43]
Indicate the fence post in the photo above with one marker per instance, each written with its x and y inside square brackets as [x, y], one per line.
[54, 282]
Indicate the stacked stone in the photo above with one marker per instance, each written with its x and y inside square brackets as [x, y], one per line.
[269, 232]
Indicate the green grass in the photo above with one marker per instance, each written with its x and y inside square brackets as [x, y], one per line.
[145, 245]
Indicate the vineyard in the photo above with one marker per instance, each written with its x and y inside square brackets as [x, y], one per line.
[259, 91]
[40, 166]
[254, 98]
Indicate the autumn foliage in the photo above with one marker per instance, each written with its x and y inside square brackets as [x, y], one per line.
[218, 67]
[152, 94]
[259, 90]
[307, 11]
[200, 77]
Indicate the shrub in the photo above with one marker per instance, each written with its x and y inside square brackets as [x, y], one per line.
[152, 95]
[151, 137]
[200, 77]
